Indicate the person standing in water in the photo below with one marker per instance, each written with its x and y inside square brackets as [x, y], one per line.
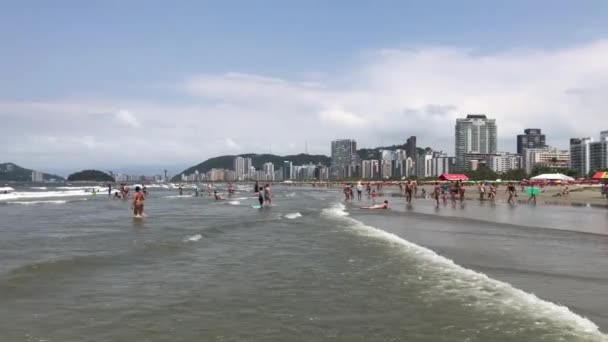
[359, 190]
[109, 189]
[181, 190]
[409, 188]
[260, 197]
[267, 195]
[436, 192]
[512, 191]
[138, 203]
[256, 187]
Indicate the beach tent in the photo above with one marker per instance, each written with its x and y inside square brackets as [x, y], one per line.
[553, 177]
[600, 175]
[453, 177]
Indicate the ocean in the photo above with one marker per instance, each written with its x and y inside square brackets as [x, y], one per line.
[78, 267]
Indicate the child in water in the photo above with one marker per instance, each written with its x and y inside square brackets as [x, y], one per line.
[138, 203]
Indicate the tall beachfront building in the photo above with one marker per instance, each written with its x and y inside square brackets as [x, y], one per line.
[342, 151]
[239, 168]
[532, 138]
[580, 155]
[598, 153]
[474, 134]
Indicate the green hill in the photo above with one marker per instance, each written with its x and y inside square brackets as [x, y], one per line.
[11, 172]
[90, 176]
[226, 162]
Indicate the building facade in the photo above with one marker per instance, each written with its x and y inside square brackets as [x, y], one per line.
[580, 155]
[547, 156]
[532, 138]
[474, 134]
[342, 151]
[239, 168]
[503, 162]
[598, 153]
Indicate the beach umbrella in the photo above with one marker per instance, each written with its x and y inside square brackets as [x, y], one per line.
[532, 190]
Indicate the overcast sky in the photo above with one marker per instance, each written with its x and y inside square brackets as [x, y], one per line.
[139, 85]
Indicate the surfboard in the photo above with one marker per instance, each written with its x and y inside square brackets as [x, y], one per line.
[256, 206]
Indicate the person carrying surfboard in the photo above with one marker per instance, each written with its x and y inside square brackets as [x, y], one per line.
[138, 203]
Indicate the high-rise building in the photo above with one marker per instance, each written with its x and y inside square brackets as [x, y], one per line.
[288, 170]
[269, 171]
[37, 177]
[503, 162]
[247, 167]
[386, 169]
[598, 153]
[441, 164]
[474, 134]
[239, 168]
[532, 138]
[366, 169]
[580, 155]
[411, 148]
[547, 156]
[342, 151]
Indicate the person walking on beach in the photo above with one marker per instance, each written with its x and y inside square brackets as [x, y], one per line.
[267, 195]
[409, 188]
[461, 190]
[436, 192]
[512, 191]
[482, 191]
[359, 191]
[492, 193]
[532, 197]
[138, 203]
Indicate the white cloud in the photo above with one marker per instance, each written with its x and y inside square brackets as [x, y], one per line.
[341, 118]
[231, 144]
[390, 95]
[126, 117]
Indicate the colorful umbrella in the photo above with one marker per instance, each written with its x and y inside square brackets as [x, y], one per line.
[532, 190]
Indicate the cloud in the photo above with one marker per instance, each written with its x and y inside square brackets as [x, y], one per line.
[339, 117]
[389, 95]
[231, 144]
[127, 118]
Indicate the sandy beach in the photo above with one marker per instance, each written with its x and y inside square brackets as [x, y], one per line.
[579, 195]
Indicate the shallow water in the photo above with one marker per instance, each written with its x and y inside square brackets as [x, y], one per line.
[307, 269]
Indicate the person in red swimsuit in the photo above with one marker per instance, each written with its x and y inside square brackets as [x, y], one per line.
[138, 202]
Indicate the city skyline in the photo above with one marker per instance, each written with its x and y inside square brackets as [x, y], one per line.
[110, 85]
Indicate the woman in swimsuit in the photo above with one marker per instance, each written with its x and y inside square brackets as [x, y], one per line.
[138, 203]
[512, 193]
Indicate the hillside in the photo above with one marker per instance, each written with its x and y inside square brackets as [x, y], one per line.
[90, 175]
[226, 162]
[11, 172]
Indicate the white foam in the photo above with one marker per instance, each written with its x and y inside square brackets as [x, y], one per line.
[457, 279]
[193, 238]
[179, 196]
[234, 202]
[36, 202]
[293, 216]
[38, 187]
[43, 194]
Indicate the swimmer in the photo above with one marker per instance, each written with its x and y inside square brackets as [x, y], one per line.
[267, 195]
[383, 205]
[261, 198]
[217, 196]
[138, 203]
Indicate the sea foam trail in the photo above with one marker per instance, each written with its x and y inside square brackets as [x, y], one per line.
[457, 280]
[43, 194]
[292, 216]
[193, 238]
[37, 202]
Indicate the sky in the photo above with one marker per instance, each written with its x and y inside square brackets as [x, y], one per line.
[139, 86]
